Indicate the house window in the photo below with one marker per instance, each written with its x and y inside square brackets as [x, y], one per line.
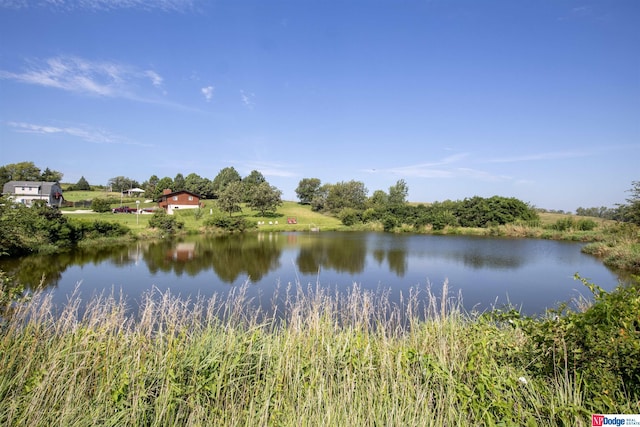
[175, 197]
[190, 198]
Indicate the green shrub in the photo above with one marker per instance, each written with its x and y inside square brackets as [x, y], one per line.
[370, 215]
[197, 213]
[496, 210]
[95, 229]
[38, 228]
[229, 223]
[439, 220]
[600, 345]
[164, 222]
[100, 205]
[586, 224]
[349, 216]
[563, 224]
[389, 222]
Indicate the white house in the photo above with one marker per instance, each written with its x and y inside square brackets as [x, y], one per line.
[26, 192]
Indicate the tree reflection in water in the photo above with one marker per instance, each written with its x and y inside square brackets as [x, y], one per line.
[483, 268]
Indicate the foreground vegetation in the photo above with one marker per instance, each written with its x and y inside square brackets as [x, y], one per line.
[321, 359]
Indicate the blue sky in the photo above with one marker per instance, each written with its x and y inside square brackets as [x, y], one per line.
[538, 100]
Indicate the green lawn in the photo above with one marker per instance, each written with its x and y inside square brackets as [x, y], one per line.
[76, 196]
[305, 217]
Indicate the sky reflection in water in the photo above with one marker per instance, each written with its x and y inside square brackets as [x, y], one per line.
[530, 274]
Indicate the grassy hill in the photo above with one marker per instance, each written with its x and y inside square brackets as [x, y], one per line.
[305, 218]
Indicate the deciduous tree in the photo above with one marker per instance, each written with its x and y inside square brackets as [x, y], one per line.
[179, 182]
[165, 183]
[121, 183]
[230, 198]
[265, 198]
[632, 211]
[224, 178]
[379, 200]
[307, 189]
[197, 184]
[352, 194]
[250, 182]
[398, 193]
[150, 186]
[23, 171]
[319, 201]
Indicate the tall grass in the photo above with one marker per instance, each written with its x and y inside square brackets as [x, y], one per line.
[324, 358]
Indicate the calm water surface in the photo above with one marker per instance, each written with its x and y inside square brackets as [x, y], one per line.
[530, 274]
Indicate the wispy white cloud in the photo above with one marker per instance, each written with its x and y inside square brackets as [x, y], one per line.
[85, 133]
[155, 78]
[434, 169]
[582, 10]
[95, 78]
[524, 182]
[447, 167]
[101, 5]
[423, 170]
[269, 169]
[481, 175]
[247, 99]
[548, 155]
[208, 92]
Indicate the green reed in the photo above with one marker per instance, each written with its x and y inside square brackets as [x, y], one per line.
[322, 358]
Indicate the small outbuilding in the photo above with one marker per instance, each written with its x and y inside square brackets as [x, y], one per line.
[171, 201]
[132, 192]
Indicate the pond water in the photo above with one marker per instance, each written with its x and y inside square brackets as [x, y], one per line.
[530, 274]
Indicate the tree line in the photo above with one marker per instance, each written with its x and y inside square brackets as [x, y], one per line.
[27, 171]
[349, 200]
[629, 212]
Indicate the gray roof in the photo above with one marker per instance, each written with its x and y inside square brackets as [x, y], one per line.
[45, 187]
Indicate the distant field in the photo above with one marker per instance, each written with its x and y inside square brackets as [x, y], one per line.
[76, 196]
[552, 218]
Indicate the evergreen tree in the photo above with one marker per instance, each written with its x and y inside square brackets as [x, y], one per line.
[82, 185]
[51, 175]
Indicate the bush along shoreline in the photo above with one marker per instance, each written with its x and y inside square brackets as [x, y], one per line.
[325, 359]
